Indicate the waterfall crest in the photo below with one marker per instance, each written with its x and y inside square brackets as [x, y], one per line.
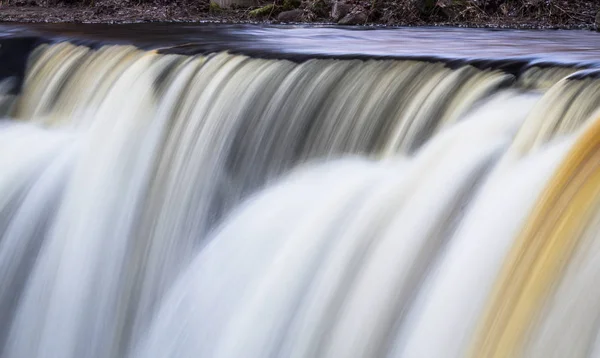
[221, 205]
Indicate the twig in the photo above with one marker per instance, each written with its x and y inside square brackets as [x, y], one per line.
[478, 8]
[370, 11]
[272, 9]
[568, 13]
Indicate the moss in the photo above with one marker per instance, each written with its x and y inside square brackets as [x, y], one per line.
[214, 7]
[263, 11]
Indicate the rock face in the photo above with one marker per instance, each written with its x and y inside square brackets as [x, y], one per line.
[290, 16]
[598, 21]
[354, 18]
[230, 3]
[339, 10]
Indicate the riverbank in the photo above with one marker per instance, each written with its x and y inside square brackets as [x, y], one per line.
[534, 14]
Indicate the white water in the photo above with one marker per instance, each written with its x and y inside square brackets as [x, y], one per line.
[223, 206]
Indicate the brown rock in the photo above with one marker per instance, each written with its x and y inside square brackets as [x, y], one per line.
[339, 10]
[354, 18]
[290, 16]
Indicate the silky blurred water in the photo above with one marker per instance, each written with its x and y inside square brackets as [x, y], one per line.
[561, 46]
[268, 191]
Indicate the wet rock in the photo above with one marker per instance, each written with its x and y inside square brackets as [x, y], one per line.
[354, 18]
[290, 16]
[339, 10]
[597, 21]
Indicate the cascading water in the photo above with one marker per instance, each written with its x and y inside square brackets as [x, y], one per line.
[162, 205]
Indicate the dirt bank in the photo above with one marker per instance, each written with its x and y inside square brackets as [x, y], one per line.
[569, 14]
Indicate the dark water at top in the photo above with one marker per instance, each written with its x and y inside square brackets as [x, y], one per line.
[557, 46]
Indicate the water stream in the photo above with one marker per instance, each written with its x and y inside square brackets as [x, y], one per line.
[240, 191]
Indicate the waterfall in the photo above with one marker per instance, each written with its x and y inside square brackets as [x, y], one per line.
[222, 205]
